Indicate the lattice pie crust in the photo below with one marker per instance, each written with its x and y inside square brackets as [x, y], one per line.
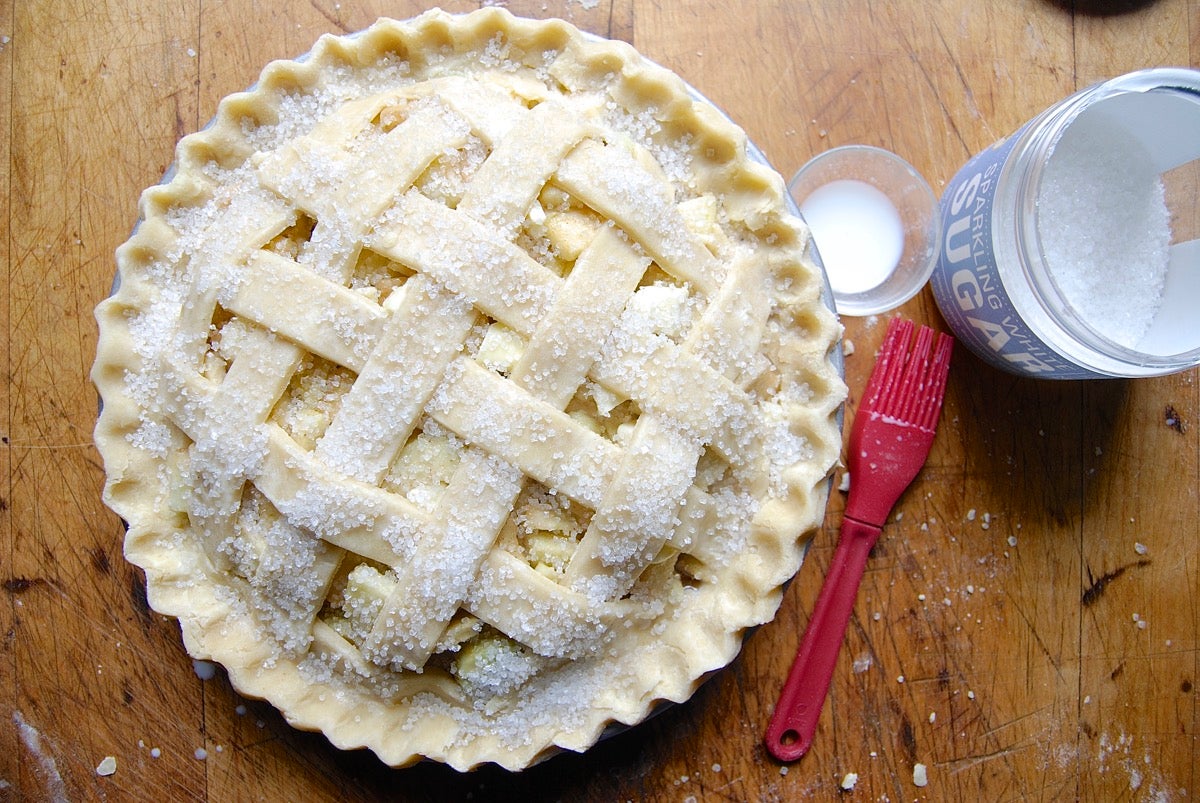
[467, 390]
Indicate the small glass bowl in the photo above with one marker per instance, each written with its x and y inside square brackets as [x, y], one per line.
[919, 224]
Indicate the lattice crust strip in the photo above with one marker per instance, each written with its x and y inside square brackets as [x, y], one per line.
[467, 389]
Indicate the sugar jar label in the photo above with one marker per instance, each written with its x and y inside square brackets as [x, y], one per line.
[967, 285]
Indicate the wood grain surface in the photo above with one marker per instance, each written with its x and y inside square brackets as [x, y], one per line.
[1011, 634]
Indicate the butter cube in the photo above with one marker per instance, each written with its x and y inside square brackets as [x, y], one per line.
[663, 307]
[363, 598]
[500, 349]
[570, 232]
[700, 216]
[550, 549]
[427, 460]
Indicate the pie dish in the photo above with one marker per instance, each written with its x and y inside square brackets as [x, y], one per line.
[467, 390]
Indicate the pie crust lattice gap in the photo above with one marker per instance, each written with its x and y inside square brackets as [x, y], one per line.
[467, 389]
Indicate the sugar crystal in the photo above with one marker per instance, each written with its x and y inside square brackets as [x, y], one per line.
[1104, 226]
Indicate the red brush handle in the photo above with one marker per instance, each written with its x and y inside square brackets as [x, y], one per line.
[794, 722]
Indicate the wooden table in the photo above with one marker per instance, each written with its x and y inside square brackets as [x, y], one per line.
[1028, 630]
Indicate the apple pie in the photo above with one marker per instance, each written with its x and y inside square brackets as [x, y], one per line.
[467, 389]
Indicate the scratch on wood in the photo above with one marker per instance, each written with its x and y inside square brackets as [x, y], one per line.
[963, 81]
[1017, 720]
[1096, 590]
[621, 20]
[966, 762]
[19, 585]
[49, 446]
[908, 738]
[333, 20]
[1037, 637]
[141, 605]
[100, 561]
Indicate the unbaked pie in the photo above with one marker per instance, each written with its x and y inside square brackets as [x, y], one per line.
[467, 389]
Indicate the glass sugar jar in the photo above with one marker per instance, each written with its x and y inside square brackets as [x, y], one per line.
[1071, 249]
